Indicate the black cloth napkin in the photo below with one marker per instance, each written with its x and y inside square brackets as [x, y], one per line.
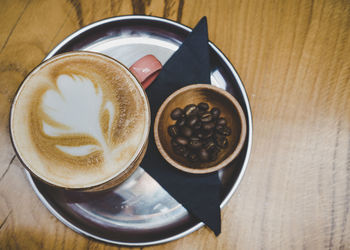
[198, 193]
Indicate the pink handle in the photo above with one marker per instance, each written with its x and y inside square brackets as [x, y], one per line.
[146, 69]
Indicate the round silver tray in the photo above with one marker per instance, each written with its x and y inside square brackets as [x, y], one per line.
[140, 212]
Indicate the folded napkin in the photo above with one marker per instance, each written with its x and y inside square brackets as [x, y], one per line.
[198, 193]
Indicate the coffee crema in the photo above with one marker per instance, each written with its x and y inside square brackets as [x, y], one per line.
[79, 119]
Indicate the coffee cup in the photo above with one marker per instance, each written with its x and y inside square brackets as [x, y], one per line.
[81, 120]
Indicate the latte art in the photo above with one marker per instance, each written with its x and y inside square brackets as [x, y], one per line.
[79, 119]
[61, 106]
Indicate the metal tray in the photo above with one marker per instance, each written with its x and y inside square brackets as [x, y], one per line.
[140, 212]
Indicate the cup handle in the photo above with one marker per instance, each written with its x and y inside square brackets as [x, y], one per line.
[146, 69]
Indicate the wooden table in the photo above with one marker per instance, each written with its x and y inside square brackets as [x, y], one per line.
[294, 59]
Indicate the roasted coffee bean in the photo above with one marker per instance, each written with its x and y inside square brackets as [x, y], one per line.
[182, 140]
[219, 128]
[203, 155]
[221, 121]
[179, 150]
[189, 106]
[215, 112]
[191, 109]
[209, 146]
[176, 114]
[192, 120]
[221, 142]
[200, 134]
[173, 130]
[215, 149]
[206, 117]
[207, 134]
[223, 130]
[194, 143]
[201, 112]
[193, 157]
[226, 131]
[180, 122]
[205, 141]
[203, 106]
[186, 131]
[198, 125]
[217, 135]
[208, 125]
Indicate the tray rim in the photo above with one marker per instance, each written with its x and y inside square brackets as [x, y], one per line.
[248, 139]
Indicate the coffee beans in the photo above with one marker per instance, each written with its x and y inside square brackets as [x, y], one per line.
[215, 112]
[203, 106]
[180, 122]
[186, 131]
[206, 117]
[183, 141]
[195, 143]
[198, 133]
[192, 120]
[221, 121]
[203, 155]
[191, 109]
[173, 130]
[176, 114]
[208, 125]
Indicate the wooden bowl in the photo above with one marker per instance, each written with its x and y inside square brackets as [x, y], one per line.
[215, 97]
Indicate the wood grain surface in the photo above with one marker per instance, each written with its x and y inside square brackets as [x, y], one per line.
[294, 59]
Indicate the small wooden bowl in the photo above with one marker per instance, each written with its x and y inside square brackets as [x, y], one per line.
[215, 97]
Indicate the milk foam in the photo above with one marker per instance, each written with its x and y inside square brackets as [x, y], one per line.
[76, 106]
[79, 120]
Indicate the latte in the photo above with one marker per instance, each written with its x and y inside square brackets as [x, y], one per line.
[79, 119]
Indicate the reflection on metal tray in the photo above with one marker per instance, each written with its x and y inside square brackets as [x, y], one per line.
[140, 212]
